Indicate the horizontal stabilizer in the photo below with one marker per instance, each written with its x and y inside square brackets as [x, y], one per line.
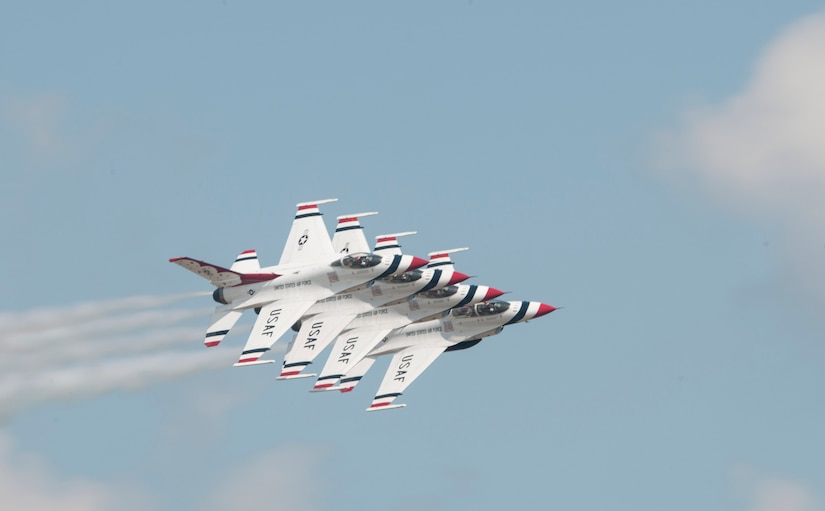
[220, 276]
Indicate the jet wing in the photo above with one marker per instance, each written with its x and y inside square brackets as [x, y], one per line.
[308, 239]
[354, 375]
[349, 348]
[220, 276]
[315, 335]
[405, 367]
[274, 319]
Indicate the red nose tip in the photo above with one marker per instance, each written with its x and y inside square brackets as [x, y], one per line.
[544, 309]
[457, 277]
[492, 293]
[417, 262]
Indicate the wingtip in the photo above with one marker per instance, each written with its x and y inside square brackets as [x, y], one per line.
[295, 376]
[241, 363]
[384, 406]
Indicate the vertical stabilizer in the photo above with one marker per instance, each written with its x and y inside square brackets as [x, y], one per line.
[441, 259]
[387, 244]
[308, 240]
[349, 234]
[246, 262]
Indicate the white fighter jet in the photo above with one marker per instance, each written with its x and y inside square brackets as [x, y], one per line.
[366, 331]
[309, 270]
[416, 346]
[326, 319]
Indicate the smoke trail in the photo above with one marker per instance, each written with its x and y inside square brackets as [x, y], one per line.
[45, 318]
[22, 390]
[74, 350]
[52, 334]
[84, 350]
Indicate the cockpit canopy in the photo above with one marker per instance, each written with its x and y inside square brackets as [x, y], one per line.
[480, 309]
[403, 278]
[444, 292]
[358, 261]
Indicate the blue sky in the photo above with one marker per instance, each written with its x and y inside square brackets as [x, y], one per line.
[654, 168]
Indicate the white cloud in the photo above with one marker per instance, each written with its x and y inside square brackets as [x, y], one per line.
[283, 478]
[760, 492]
[763, 147]
[27, 483]
[761, 152]
[37, 119]
[47, 128]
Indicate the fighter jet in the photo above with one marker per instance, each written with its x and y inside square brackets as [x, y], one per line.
[366, 331]
[416, 346]
[326, 319]
[309, 270]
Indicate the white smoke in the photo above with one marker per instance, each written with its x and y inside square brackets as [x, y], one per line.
[23, 389]
[92, 348]
[42, 319]
[84, 350]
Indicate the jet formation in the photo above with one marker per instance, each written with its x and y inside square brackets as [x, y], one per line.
[359, 302]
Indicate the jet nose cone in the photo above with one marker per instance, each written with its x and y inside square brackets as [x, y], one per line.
[457, 277]
[492, 293]
[544, 309]
[417, 263]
